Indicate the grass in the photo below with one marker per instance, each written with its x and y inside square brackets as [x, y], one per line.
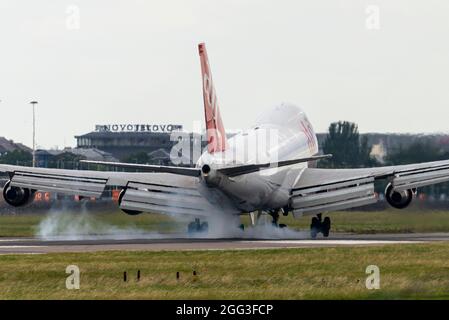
[388, 221]
[407, 272]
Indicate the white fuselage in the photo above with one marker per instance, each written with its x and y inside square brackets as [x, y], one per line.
[283, 133]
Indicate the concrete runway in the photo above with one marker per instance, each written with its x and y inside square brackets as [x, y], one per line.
[39, 246]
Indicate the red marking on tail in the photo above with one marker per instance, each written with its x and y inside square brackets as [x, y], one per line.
[216, 135]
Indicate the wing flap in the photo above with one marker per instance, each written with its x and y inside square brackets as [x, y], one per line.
[185, 189]
[415, 180]
[315, 199]
[164, 199]
[336, 206]
[151, 207]
[72, 185]
[336, 196]
[333, 185]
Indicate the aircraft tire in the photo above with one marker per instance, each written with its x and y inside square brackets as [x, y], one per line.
[326, 226]
[204, 227]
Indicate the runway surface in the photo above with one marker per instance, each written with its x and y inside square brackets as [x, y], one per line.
[39, 246]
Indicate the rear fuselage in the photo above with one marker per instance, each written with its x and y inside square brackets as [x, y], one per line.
[283, 133]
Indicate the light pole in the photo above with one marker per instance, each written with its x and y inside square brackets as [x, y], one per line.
[33, 103]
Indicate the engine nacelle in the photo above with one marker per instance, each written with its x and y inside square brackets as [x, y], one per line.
[129, 212]
[17, 197]
[398, 199]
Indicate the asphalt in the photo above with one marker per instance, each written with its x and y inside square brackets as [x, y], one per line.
[41, 246]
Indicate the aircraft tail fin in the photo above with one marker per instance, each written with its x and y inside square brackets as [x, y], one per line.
[216, 135]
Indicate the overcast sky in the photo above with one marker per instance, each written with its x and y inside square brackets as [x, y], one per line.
[130, 61]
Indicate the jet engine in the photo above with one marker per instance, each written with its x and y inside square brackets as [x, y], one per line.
[16, 196]
[128, 212]
[399, 199]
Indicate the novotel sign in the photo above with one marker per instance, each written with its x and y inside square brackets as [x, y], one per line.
[137, 127]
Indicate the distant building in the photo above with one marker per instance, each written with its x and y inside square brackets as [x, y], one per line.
[124, 144]
[9, 145]
[69, 157]
[123, 141]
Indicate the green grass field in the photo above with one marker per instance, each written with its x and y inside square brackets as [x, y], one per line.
[406, 271]
[388, 221]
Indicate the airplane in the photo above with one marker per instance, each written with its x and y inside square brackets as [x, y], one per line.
[230, 181]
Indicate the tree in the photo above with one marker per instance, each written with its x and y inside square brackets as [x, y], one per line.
[348, 149]
[140, 157]
[17, 157]
[419, 151]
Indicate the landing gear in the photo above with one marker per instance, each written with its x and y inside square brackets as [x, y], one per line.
[318, 225]
[255, 218]
[275, 215]
[197, 226]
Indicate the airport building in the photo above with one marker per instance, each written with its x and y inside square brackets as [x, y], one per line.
[68, 158]
[123, 141]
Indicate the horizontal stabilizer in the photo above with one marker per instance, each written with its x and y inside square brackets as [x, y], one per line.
[250, 168]
[192, 172]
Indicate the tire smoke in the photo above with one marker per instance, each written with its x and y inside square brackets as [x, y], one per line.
[61, 224]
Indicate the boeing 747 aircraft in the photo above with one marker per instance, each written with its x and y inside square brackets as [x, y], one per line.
[231, 179]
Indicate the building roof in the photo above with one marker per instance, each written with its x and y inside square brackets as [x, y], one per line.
[88, 154]
[9, 145]
[159, 154]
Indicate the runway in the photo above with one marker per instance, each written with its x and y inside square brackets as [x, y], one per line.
[39, 246]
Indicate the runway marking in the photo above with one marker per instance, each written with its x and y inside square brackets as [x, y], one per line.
[17, 247]
[21, 253]
[337, 242]
[37, 245]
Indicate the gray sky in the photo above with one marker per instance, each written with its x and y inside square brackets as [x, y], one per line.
[137, 61]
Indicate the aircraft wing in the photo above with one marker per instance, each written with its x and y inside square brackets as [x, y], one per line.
[321, 190]
[150, 192]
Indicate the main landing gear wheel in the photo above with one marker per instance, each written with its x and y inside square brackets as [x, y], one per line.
[318, 225]
[275, 216]
[197, 226]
